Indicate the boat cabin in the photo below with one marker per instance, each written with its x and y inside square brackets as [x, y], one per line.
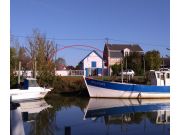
[30, 82]
[159, 78]
[163, 117]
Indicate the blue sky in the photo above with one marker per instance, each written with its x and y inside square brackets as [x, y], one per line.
[145, 22]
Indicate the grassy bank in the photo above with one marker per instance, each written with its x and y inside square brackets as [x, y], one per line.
[75, 85]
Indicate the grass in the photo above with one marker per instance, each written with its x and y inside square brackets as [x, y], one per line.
[75, 85]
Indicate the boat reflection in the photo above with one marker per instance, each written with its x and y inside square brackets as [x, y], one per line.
[30, 109]
[25, 115]
[119, 111]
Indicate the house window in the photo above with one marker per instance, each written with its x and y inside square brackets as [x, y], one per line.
[93, 64]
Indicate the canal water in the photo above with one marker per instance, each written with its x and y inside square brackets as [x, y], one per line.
[85, 116]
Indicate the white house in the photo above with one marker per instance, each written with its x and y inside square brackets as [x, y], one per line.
[92, 64]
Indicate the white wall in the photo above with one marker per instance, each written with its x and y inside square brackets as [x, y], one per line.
[62, 72]
[88, 61]
[26, 73]
[58, 73]
[92, 57]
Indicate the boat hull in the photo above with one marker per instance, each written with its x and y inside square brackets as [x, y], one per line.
[25, 95]
[105, 89]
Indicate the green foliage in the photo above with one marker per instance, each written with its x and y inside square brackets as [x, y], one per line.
[68, 84]
[13, 64]
[153, 60]
[135, 62]
[116, 69]
[13, 58]
[13, 81]
[24, 58]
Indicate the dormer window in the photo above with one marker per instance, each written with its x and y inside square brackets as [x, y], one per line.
[126, 52]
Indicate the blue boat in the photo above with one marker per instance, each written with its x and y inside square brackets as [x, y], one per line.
[98, 107]
[159, 88]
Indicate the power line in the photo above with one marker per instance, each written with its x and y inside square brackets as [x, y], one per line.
[97, 39]
[62, 38]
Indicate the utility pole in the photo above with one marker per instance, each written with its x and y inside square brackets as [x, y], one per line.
[108, 54]
[107, 40]
[35, 65]
[19, 79]
[126, 69]
[122, 71]
[144, 64]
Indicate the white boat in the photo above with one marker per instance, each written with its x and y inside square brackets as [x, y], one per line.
[159, 88]
[30, 91]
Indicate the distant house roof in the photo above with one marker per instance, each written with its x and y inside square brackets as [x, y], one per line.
[132, 47]
[116, 54]
[70, 67]
[89, 54]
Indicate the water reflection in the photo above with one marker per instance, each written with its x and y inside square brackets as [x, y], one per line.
[129, 112]
[46, 121]
[76, 116]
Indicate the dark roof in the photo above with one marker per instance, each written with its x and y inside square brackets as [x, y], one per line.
[89, 54]
[132, 47]
[116, 54]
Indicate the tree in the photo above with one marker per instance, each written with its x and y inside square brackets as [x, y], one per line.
[24, 58]
[116, 69]
[41, 51]
[78, 66]
[13, 59]
[60, 63]
[70, 67]
[152, 60]
[135, 62]
[13, 64]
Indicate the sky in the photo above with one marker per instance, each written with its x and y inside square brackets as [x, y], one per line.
[90, 22]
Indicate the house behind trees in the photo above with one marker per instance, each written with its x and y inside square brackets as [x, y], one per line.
[115, 53]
